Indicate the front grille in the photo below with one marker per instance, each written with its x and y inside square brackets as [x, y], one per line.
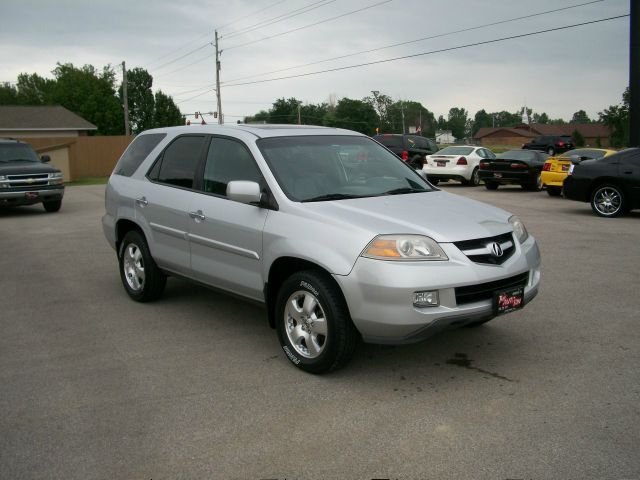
[37, 179]
[479, 251]
[484, 291]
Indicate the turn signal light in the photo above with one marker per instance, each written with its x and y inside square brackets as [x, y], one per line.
[461, 161]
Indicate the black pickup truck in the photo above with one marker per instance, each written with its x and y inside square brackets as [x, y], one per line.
[25, 179]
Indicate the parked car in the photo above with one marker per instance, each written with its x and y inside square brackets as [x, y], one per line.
[556, 168]
[550, 144]
[25, 179]
[611, 184]
[521, 167]
[412, 149]
[456, 163]
[273, 214]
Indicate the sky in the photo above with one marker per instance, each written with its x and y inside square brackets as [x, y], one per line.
[558, 72]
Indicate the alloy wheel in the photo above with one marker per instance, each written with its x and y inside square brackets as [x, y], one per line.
[607, 201]
[305, 324]
[133, 267]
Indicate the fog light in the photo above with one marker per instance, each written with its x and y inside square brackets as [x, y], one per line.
[426, 299]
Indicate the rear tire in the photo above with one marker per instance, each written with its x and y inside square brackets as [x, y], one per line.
[313, 323]
[534, 187]
[608, 201]
[53, 206]
[551, 151]
[141, 277]
[433, 181]
[474, 181]
[554, 191]
[491, 185]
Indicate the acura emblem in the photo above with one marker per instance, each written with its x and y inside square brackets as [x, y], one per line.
[496, 249]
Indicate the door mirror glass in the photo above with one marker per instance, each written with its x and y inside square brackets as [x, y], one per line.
[45, 158]
[244, 191]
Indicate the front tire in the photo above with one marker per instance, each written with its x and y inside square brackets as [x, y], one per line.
[608, 201]
[313, 323]
[141, 277]
[53, 206]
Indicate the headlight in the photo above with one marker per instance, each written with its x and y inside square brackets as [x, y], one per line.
[404, 247]
[55, 178]
[519, 229]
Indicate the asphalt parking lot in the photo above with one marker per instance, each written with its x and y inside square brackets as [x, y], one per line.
[93, 385]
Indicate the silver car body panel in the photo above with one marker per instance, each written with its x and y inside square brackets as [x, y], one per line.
[231, 245]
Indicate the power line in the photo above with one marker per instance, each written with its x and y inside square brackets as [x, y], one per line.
[310, 25]
[250, 15]
[459, 47]
[183, 56]
[279, 18]
[414, 41]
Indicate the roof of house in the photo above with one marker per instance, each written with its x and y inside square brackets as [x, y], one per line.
[587, 130]
[41, 118]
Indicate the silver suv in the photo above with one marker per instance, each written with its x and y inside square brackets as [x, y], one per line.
[334, 234]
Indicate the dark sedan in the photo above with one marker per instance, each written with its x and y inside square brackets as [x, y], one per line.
[611, 184]
[521, 167]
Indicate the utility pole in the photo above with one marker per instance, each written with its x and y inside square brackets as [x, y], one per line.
[402, 110]
[299, 120]
[634, 74]
[127, 128]
[218, 81]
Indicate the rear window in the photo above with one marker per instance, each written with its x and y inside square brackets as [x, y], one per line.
[518, 155]
[584, 154]
[391, 140]
[137, 152]
[455, 151]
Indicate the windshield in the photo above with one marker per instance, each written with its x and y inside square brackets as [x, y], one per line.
[455, 151]
[316, 168]
[391, 140]
[17, 152]
[518, 155]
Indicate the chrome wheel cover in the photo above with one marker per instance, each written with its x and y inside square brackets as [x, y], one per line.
[133, 267]
[607, 201]
[305, 324]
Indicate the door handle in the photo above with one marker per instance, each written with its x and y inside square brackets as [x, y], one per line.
[142, 201]
[197, 216]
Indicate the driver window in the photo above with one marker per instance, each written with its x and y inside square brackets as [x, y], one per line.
[228, 160]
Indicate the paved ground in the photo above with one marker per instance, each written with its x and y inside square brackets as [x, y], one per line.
[93, 385]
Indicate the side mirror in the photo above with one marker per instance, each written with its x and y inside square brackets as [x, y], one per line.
[45, 158]
[243, 191]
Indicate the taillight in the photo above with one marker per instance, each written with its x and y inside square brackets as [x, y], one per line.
[561, 143]
[461, 161]
[518, 165]
[546, 167]
[484, 164]
[405, 155]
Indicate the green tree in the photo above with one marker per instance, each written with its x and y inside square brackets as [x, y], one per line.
[140, 99]
[616, 117]
[580, 117]
[557, 121]
[506, 119]
[284, 111]
[578, 139]
[313, 114]
[441, 123]
[540, 118]
[354, 115]
[480, 120]
[35, 90]
[261, 117]
[457, 121]
[165, 113]
[383, 105]
[8, 94]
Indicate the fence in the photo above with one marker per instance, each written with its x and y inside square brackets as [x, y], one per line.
[79, 157]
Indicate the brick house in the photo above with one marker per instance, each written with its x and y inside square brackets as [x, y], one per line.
[594, 133]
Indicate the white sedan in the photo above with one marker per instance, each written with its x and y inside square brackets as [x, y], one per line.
[456, 163]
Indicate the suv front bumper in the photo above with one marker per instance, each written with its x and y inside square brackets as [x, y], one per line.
[379, 294]
[18, 197]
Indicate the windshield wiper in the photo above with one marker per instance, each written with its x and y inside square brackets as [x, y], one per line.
[330, 196]
[400, 191]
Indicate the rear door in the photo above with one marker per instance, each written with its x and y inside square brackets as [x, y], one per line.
[630, 173]
[163, 204]
[226, 236]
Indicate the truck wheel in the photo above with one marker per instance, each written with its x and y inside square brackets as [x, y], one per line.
[313, 323]
[53, 206]
[141, 277]
[608, 201]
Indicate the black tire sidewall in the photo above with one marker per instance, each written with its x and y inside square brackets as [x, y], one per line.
[52, 206]
[623, 202]
[312, 282]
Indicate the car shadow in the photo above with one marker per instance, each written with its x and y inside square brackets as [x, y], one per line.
[22, 211]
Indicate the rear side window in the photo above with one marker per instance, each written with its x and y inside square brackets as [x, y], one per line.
[137, 152]
[180, 161]
[391, 140]
[228, 160]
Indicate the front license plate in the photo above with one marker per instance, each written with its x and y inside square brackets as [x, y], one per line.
[497, 175]
[505, 301]
[441, 164]
[31, 194]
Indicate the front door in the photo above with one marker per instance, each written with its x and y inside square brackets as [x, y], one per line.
[226, 236]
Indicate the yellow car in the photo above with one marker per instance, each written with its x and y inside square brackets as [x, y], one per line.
[556, 169]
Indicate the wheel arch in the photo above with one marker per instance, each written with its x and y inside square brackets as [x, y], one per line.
[124, 226]
[598, 182]
[281, 269]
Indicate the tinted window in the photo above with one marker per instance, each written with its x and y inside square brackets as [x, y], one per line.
[228, 160]
[137, 152]
[421, 142]
[391, 140]
[455, 151]
[17, 152]
[518, 155]
[180, 160]
[585, 154]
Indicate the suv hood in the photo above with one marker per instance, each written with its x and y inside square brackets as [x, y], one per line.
[25, 168]
[440, 215]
